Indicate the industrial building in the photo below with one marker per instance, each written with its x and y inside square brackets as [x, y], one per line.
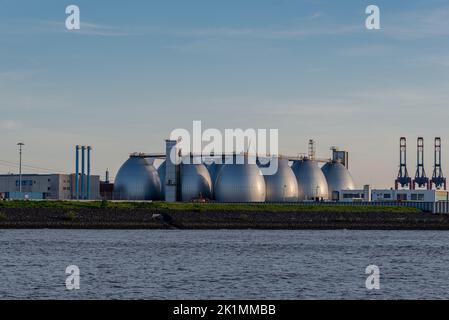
[409, 195]
[44, 186]
[300, 178]
[297, 178]
[78, 186]
[367, 194]
[215, 178]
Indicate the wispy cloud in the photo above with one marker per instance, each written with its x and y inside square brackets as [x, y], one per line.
[94, 29]
[87, 28]
[306, 28]
[265, 33]
[9, 125]
[419, 24]
[365, 51]
[314, 16]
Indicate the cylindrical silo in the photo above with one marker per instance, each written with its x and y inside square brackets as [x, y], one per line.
[312, 184]
[137, 179]
[195, 182]
[338, 178]
[240, 183]
[281, 186]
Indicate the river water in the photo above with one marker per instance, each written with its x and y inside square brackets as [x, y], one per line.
[223, 264]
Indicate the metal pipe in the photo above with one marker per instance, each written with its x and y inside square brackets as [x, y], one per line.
[20, 144]
[77, 173]
[83, 149]
[88, 172]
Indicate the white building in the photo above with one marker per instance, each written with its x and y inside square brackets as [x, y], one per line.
[386, 195]
[45, 186]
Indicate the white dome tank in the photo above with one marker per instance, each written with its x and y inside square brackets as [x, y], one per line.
[240, 183]
[312, 183]
[338, 177]
[137, 179]
[281, 186]
[214, 169]
[195, 182]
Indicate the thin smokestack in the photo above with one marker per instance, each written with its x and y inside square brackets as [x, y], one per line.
[89, 148]
[76, 194]
[83, 150]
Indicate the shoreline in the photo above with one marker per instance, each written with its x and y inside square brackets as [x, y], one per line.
[116, 218]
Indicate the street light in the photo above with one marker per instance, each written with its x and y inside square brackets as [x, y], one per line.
[20, 144]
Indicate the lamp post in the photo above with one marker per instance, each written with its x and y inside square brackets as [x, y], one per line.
[20, 144]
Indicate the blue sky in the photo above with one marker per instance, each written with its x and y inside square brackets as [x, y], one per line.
[139, 69]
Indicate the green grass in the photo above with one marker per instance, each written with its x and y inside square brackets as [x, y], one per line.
[202, 207]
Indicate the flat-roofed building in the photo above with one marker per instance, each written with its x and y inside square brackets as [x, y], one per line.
[46, 186]
[388, 195]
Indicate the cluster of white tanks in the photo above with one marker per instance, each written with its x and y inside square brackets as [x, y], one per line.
[138, 179]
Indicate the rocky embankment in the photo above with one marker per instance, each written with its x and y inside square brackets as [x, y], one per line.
[110, 218]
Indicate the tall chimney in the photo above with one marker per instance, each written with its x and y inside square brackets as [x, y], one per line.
[83, 150]
[89, 148]
[76, 193]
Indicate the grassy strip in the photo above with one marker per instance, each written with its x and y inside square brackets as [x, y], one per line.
[205, 206]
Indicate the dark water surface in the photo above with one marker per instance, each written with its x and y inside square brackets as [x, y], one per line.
[247, 264]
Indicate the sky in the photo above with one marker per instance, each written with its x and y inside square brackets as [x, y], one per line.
[136, 70]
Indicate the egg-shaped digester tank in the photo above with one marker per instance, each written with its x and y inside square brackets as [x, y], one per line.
[195, 182]
[137, 179]
[281, 186]
[214, 169]
[240, 183]
[338, 177]
[312, 184]
[161, 173]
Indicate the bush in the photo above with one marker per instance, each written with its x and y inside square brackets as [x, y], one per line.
[3, 216]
